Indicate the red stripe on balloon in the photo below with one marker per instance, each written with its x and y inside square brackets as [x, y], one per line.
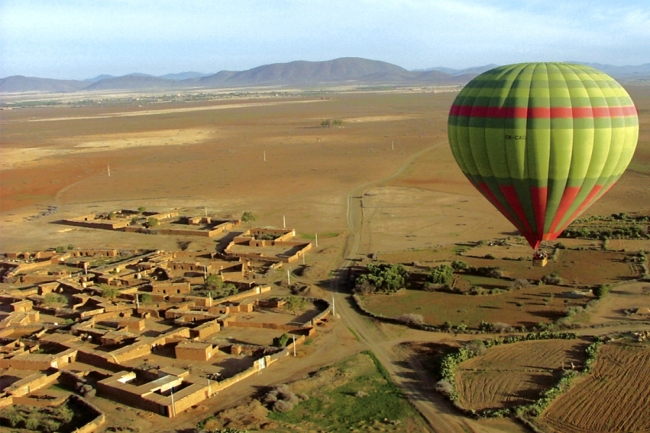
[588, 201]
[542, 112]
[568, 198]
[538, 195]
[513, 200]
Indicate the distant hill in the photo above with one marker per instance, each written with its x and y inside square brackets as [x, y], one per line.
[183, 75]
[301, 72]
[476, 70]
[99, 78]
[622, 72]
[19, 83]
[133, 82]
[342, 71]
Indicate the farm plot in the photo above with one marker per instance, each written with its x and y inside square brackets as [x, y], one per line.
[526, 307]
[627, 302]
[514, 374]
[629, 244]
[587, 267]
[614, 398]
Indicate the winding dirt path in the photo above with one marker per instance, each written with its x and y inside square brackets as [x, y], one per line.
[418, 390]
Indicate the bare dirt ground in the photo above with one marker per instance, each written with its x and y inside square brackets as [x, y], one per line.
[392, 145]
[622, 304]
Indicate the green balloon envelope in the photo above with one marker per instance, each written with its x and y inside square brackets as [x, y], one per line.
[543, 141]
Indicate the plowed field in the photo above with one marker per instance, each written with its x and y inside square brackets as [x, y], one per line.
[515, 374]
[615, 398]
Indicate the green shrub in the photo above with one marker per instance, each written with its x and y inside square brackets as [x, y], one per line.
[54, 298]
[381, 278]
[459, 265]
[601, 290]
[441, 274]
[109, 292]
[281, 341]
[552, 279]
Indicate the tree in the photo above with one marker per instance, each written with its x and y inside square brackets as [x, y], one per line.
[248, 217]
[459, 265]
[294, 303]
[601, 291]
[54, 298]
[145, 297]
[217, 288]
[383, 278]
[109, 292]
[142, 209]
[281, 341]
[441, 274]
[152, 222]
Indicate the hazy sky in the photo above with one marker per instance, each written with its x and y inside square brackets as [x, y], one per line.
[81, 39]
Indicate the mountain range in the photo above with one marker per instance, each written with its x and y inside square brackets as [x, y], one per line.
[342, 71]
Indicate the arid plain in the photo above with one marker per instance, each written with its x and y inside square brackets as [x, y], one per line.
[213, 154]
[269, 154]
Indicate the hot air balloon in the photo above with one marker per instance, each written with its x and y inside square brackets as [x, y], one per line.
[543, 141]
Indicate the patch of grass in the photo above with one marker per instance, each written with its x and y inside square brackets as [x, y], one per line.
[312, 236]
[362, 401]
[461, 248]
[354, 333]
[477, 280]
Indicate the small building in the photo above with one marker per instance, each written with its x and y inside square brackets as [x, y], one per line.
[167, 288]
[195, 351]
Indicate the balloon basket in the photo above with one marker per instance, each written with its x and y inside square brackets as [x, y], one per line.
[540, 262]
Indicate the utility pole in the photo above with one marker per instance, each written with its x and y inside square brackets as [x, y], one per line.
[289, 276]
[173, 408]
[316, 240]
[108, 168]
[284, 222]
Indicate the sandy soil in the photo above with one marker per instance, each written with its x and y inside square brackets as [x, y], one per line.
[621, 304]
[168, 111]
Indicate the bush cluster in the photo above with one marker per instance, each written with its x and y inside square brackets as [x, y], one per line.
[601, 290]
[552, 279]
[282, 399]
[441, 274]
[381, 278]
[411, 319]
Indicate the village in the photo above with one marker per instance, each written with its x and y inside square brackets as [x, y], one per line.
[156, 330]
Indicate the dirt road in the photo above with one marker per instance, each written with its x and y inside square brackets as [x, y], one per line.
[419, 392]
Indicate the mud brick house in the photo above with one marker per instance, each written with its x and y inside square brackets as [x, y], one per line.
[195, 351]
